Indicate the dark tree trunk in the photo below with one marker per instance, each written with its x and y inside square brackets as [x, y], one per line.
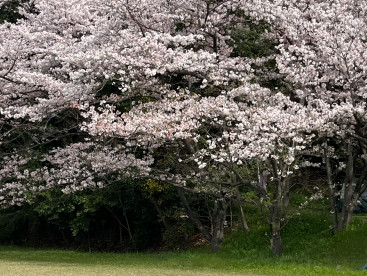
[219, 216]
[278, 209]
[331, 187]
[285, 197]
[276, 239]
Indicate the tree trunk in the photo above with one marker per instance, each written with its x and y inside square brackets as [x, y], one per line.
[348, 205]
[331, 186]
[278, 210]
[276, 239]
[285, 197]
[351, 192]
[220, 213]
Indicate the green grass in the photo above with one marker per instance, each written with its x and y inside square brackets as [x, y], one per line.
[310, 249]
[20, 261]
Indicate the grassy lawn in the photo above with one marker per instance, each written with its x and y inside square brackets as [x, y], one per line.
[310, 249]
[20, 261]
[47, 268]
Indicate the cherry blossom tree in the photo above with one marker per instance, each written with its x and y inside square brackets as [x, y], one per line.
[157, 90]
[323, 52]
[140, 49]
[213, 120]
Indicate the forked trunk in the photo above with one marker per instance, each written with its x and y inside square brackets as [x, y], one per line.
[351, 192]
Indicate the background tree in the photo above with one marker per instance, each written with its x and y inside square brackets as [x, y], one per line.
[323, 52]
